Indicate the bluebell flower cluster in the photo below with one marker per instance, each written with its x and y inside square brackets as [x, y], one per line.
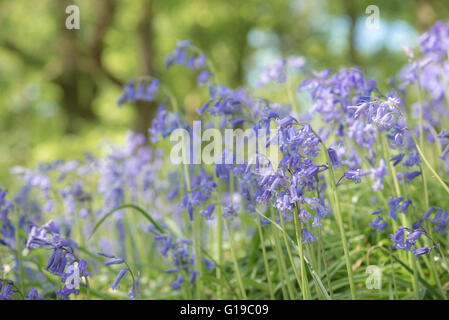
[406, 239]
[187, 55]
[139, 90]
[62, 258]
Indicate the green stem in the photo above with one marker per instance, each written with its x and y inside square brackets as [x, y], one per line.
[19, 252]
[219, 238]
[236, 265]
[339, 218]
[326, 268]
[281, 260]
[196, 240]
[391, 168]
[265, 260]
[290, 256]
[132, 275]
[393, 275]
[220, 247]
[304, 280]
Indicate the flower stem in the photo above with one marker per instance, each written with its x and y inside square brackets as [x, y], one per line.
[391, 168]
[304, 280]
[326, 268]
[338, 217]
[290, 256]
[19, 252]
[265, 260]
[281, 261]
[236, 265]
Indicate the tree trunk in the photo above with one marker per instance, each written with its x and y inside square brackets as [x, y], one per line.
[145, 109]
[78, 88]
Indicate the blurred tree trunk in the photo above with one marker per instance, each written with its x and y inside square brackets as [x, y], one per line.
[145, 109]
[241, 45]
[78, 87]
[351, 11]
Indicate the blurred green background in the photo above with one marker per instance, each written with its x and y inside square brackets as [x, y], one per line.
[58, 87]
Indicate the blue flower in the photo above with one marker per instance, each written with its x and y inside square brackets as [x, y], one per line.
[397, 159]
[209, 264]
[398, 205]
[409, 176]
[7, 291]
[307, 237]
[354, 175]
[203, 77]
[378, 224]
[412, 160]
[406, 240]
[441, 220]
[175, 285]
[119, 277]
[33, 295]
[207, 213]
[333, 157]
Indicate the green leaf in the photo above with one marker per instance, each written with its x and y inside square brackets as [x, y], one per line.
[130, 206]
[253, 283]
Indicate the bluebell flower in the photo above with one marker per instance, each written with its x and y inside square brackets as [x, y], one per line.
[114, 261]
[441, 220]
[400, 242]
[354, 175]
[398, 205]
[200, 61]
[230, 211]
[106, 255]
[297, 62]
[119, 277]
[7, 291]
[203, 77]
[175, 285]
[421, 251]
[378, 224]
[207, 213]
[397, 159]
[304, 216]
[33, 295]
[424, 250]
[435, 41]
[409, 176]
[209, 264]
[378, 174]
[193, 274]
[405, 239]
[333, 157]
[412, 160]
[275, 72]
[65, 292]
[264, 222]
[307, 237]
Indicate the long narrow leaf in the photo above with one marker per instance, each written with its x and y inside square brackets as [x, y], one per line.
[130, 206]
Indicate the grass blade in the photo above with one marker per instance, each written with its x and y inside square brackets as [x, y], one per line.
[125, 206]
